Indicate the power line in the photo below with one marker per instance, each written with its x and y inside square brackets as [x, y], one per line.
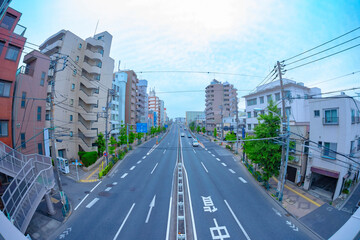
[331, 79]
[200, 72]
[322, 44]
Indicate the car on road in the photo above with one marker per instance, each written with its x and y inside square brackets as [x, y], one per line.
[195, 143]
[189, 135]
[182, 134]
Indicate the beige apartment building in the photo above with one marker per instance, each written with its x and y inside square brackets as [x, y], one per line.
[80, 90]
[154, 106]
[220, 102]
[131, 97]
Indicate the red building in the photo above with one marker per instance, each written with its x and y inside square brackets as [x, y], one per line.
[12, 42]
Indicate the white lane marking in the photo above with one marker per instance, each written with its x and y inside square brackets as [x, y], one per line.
[108, 189]
[95, 186]
[164, 151]
[152, 204]
[213, 155]
[114, 183]
[204, 167]
[124, 175]
[209, 152]
[92, 203]
[234, 159]
[219, 232]
[194, 151]
[168, 222]
[218, 159]
[138, 162]
[224, 164]
[191, 209]
[243, 180]
[123, 223]
[116, 170]
[232, 171]
[132, 168]
[237, 221]
[154, 168]
[205, 149]
[144, 157]
[81, 202]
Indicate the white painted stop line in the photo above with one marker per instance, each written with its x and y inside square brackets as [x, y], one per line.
[243, 180]
[92, 203]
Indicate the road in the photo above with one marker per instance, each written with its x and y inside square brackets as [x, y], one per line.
[133, 202]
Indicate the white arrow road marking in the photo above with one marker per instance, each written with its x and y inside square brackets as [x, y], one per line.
[224, 164]
[218, 159]
[152, 204]
[124, 175]
[123, 223]
[243, 180]
[144, 157]
[154, 168]
[108, 189]
[62, 236]
[95, 187]
[232, 171]
[277, 212]
[138, 162]
[92, 203]
[81, 201]
[132, 168]
[288, 222]
[237, 221]
[204, 167]
[296, 229]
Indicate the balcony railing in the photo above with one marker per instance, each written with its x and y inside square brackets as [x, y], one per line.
[25, 70]
[331, 120]
[20, 30]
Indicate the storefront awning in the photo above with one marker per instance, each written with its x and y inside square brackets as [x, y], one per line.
[325, 172]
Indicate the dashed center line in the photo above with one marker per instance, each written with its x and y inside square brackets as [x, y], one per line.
[243, 180]
[209, 152]
[204, 167]
[81, 202]
[108, 189]
[205, 149]
[132, 168]
[154, 168]
[224, 164]
[124, 175]
[95, 186]
[92, 203]
[164, 151]
[213, 155]
[194, 151]
[218, 159]
[232, 171]
[114, 183]
[144, 157]
[138, 162]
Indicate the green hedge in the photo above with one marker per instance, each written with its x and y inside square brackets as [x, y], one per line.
[88, 158]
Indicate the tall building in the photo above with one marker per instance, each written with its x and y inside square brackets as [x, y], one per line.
[220, 102]
[12, 43]
[142, 102]
[118, 102]
[194, 116]
[81, 89]
[162, 113]
[334, 145]
[130, 98]
[154, 106]
[30, 104]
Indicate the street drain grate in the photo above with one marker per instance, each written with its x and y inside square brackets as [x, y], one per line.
[104, 194]
[287, 215]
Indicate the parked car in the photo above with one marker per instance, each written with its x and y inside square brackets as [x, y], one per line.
[195, 143]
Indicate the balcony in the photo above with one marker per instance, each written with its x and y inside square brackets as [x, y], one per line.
[91, 68]
[95, 42]
[331, 121]
[88, 99]
[25, 70]
[52, 48]
[93, 55]
[85, 139]
[90, 133]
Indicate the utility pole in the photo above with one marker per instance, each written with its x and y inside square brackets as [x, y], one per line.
[53, 66]
[222, 127]
[127, 135]
[282, 167]
[286, 159]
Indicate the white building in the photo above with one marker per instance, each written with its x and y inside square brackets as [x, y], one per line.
[118, 102]
[334, 153]
[142, 102]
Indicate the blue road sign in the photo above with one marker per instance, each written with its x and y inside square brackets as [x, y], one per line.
[141, 127]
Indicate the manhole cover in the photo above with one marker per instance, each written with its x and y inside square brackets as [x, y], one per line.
[104, 194]
[87, 192]
[290, 201]
[132, 189]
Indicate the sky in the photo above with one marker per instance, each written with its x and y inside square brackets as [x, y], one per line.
[240, 37]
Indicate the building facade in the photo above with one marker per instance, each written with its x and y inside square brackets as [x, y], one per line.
[30, 104]
[81, 89]
[220, 102]
[194, 116]
[334, 145]
[118, 102]
[12, 43]
[154, 106]
[131, 98]
[142, 102]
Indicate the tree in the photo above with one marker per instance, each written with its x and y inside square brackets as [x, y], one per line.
[198, 129]
[131, 137]
[113, 145]
[101, 144]
[192, 126]
[265, 153]
[215, 133]
[230, 136]
[122, 135]
[203, 129]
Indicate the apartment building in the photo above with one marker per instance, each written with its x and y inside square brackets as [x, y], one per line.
[220, 102]
[334, 145]
[4, 4]
[131, 98]
[154, 106]
[194, 116]
[142, 102]
[81, 89]
[162, 113]
[117, 104]
[30, 104]
[12, 43]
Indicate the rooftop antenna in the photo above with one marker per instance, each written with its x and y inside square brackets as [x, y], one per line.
[96, 27]
[119, 66]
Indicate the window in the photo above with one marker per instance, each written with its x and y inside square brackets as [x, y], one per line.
[71, 134]
[4, 128]
[77, 59]
[262, 112]
[251, 102]
[255, 114]
[22, 137]
[96, 90]
[249, 126]
[261, 99]
[292, 146]
[316, 113]
[39, 113]
[80, 45]
[352, 148]
[319, 144]
[47, 115]
[97, 77]
[71, 102]
[75, 72]
[42, 80]
[40, 150]
[358, 144]
[306, 96]
[249, 114]
[71, 118]
[12, 53]
[277, 96]
[99, 64]
[352, 116]
[287, 94]
[268, 98]
[329, 150]
[73, 86]
[8, 21]
[2, 44]
[23, 99]
[5, 89]
[331, 116]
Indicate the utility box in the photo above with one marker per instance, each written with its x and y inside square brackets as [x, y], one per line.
[63, 165]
